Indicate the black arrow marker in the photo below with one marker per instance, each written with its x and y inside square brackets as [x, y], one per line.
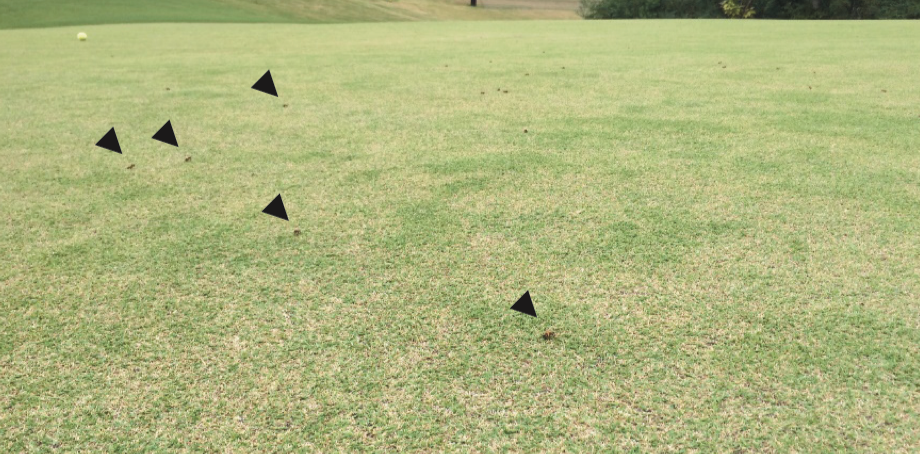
[524, 305]
[276, 208]
[166, 135]
[110, 142]
[266, 84]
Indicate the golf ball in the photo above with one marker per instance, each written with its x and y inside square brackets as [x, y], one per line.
[81, 36]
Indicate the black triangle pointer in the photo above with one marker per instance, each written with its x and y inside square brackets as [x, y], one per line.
[110, 142]
[266, 84]
[166, 135]
[524, 305]
[276, 208]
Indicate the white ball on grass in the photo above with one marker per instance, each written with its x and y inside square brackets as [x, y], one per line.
[81, 36]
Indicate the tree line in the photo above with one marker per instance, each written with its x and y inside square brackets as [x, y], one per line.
[766, 9]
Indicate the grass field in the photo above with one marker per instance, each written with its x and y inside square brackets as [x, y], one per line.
[719, 219]
[45, 13]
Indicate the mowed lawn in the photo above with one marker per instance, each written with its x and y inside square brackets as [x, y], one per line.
[720, 220]
[48, 13]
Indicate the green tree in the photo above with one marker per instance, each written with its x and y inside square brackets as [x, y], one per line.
[738, 10]
[767, 9]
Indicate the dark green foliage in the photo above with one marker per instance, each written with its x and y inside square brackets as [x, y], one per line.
[645, 9]
[903, 9]
[767, 9]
